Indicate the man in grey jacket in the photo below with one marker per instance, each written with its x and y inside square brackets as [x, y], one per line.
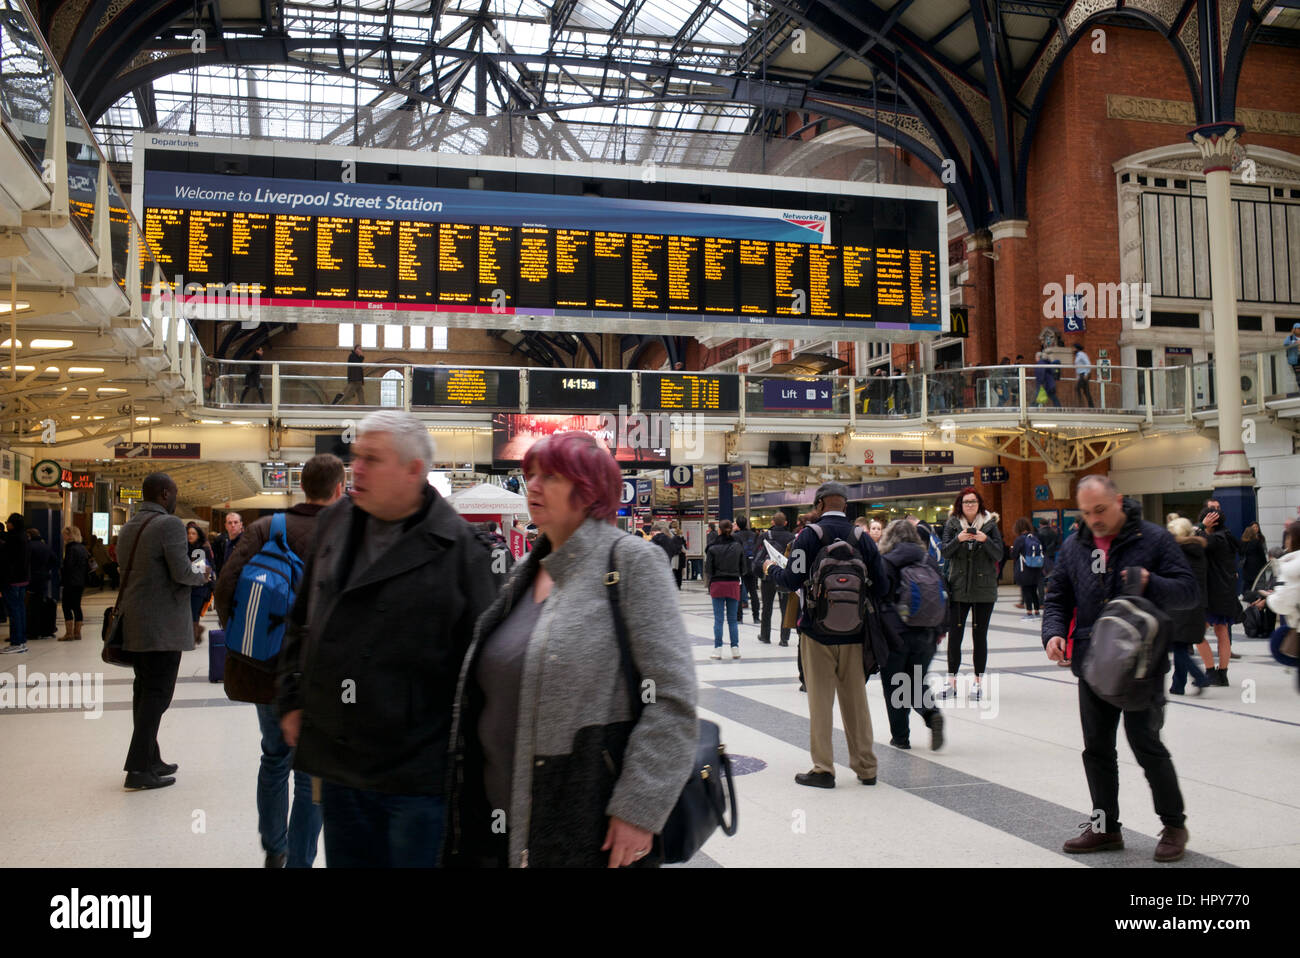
[155, 607]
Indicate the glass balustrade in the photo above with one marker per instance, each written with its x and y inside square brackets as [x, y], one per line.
[1125, 391]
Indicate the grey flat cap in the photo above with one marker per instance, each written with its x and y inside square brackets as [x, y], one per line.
[831, 489]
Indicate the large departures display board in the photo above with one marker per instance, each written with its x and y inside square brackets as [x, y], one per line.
[326, 230]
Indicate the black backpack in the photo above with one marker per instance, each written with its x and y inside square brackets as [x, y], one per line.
[1127, 649]
[839, 586]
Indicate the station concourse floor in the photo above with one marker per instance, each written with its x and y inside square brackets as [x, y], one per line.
[1006, 790]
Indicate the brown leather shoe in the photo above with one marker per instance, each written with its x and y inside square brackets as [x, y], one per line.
[1173, 842]
[1090, 841]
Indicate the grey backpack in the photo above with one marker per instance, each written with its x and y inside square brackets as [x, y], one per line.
[1126, 651]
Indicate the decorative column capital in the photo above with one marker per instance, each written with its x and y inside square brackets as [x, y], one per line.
[1216, 142]
[1009, 229]
[979, 240]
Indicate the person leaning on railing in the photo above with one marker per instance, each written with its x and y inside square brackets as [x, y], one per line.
[1292, 344]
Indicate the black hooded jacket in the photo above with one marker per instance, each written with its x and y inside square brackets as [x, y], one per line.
[1074, 586]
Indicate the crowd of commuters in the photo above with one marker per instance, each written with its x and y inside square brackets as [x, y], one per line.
[434, 708]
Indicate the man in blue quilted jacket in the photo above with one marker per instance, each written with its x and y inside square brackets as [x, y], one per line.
[1091, 569]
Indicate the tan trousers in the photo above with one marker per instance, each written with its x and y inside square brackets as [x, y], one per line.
[831, 670]
[354, 391]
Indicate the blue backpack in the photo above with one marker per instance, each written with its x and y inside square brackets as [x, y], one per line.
[921, 600]
[1032, 558]
[264, 596]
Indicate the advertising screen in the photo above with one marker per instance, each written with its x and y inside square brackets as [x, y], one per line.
[513, 434]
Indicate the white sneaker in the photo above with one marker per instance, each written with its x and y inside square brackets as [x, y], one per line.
[14, 649]
[717, 653]
[975, 691]
[735, 651]
[946, 692]
[1028, 617]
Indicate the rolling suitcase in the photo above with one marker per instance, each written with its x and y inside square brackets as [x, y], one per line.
[216, 655]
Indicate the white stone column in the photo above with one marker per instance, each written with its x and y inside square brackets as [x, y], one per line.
[1216, 142]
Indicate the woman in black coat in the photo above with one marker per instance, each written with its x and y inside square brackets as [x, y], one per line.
[1189, 624]
[198, 547]
[911, 647]
[73, 575]
[1028, 577]
[1254, 556]
[1222, 608]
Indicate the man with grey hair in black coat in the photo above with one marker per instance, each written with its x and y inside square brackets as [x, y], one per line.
[383, 618]
[1114, 543]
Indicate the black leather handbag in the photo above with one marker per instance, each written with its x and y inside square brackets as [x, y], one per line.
[701, 808]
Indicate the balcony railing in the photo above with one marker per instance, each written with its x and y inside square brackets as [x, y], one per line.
[1000, 394]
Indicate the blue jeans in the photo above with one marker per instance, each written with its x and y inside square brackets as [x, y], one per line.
[16, 603]
[365, 829]
[298, 838]
[731, 607]
[1185, 664]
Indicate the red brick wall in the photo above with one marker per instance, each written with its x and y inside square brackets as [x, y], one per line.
[1071, 191]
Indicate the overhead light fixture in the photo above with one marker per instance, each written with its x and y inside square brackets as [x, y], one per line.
[85, 369]
[1043, 425]
[8, 344]
[105, 389]
[50, 343]
[7, 307]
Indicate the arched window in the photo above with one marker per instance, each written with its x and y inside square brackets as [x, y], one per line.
[390, 389]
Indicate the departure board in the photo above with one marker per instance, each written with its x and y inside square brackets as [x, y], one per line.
[457, 262]
[250, 249]
[719, 272]
[167, 233]
[417, 262]
[536, 256]
[209, 247]
[571, 248]
[825, 281]
[376, 259]
[891, 280]
[564, 389]
[609, 270]
[295, 255]
[683, 263]
[923, 285]
[755, 269]
[465, 388]
[690, 392]
[647, 262]
[790, 279]
[336, 257]
[573, 268]
[859, 275]
[496, 265]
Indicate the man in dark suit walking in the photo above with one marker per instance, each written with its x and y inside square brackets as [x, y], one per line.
[155, 607]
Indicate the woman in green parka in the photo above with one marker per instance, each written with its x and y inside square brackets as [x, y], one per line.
[972, 547]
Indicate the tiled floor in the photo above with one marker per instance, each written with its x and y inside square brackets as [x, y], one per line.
[1007, 789]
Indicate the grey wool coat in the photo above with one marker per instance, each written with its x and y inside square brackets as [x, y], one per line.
[571, 686]
[156, 600]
